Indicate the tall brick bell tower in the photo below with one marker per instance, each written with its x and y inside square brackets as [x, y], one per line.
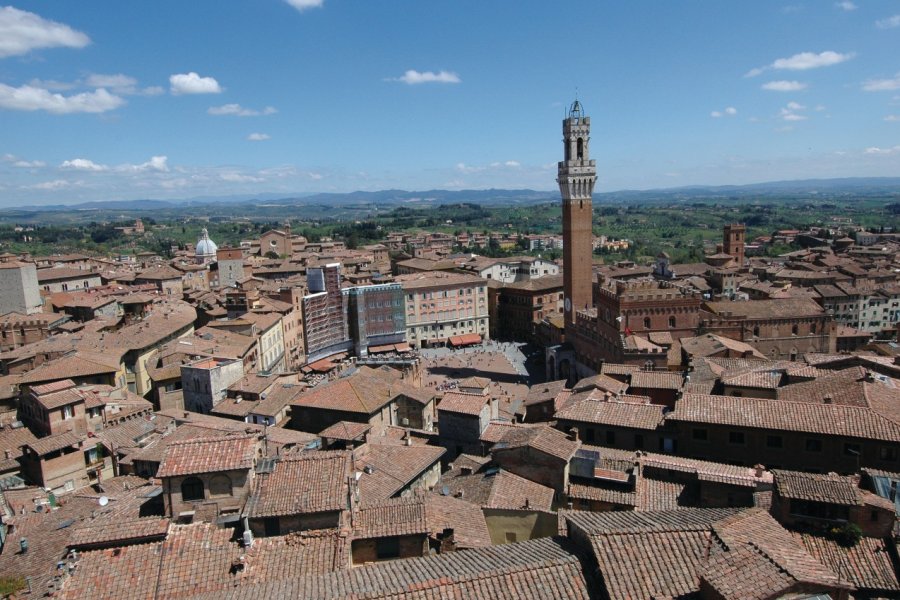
[576, 177]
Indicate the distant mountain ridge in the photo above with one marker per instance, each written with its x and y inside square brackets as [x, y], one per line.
[805, 188]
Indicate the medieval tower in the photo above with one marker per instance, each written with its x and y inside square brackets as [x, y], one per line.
[576, 177]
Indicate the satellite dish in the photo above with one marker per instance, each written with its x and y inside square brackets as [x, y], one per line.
[103, 501]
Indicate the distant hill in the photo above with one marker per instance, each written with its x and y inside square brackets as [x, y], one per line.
[798, 189]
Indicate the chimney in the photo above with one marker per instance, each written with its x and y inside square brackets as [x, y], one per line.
[869, 377]
[573, 434]
[759, 470]
[465, 470]
[448, 543]
[828, 399]
[459, 494]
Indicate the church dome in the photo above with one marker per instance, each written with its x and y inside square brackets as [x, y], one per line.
[205, 246]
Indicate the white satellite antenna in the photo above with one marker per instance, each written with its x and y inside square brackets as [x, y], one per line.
[103, 500]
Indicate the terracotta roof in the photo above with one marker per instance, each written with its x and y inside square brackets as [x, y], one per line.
[388, 517]
[544, 392]
[463, 403]
[304, 483]
[659, 380]
[867, 565]
[119, 532]
[536, 569]
[755, 379]
[612, 412]
[766, 309]
[55, 399]
[542, 438]
[366, 391]
[830, 488]
[618, 369]
[466, 519]
[828, 419]
[730, 550]
[600, 382]
[492, 487]
[52, 443]
[63, 273]
[346, 431]
[617, 495]
[49, 532]
[82, 364]
[495, 431]
[285, 556]
[706, 470]
[209, 455]
[387, 469]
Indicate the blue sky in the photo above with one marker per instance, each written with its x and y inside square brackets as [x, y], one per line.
[121, 100]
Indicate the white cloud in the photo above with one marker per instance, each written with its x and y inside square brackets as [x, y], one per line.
[29, 98]
[892, 118]
[464, 168]
[413, 77]
[789, 112]
[513, 164]
[804, 61]
[235, 177]
[729, 112]
[882, 85]
[56, 184]
[117, 82]
[888, 23]
[811, 60]
[21, 163]
[29, 164]
[192, 83]
[846, 5]
[258, 137]
[22, 32]
[156, 163]
[302, 5]
[83, 164]
[239, 111]
[784, 86]
[882, 151]
[52, 85]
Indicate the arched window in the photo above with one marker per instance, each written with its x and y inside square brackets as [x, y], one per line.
[812, 328]
[580, 149]
[192, 489]
[220, 485]
[672, 322]
[646, 322]
[795, 329]
[756, 331]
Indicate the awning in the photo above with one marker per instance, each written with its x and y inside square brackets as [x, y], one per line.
[380, 349]
[404, 347]
[465, 340]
